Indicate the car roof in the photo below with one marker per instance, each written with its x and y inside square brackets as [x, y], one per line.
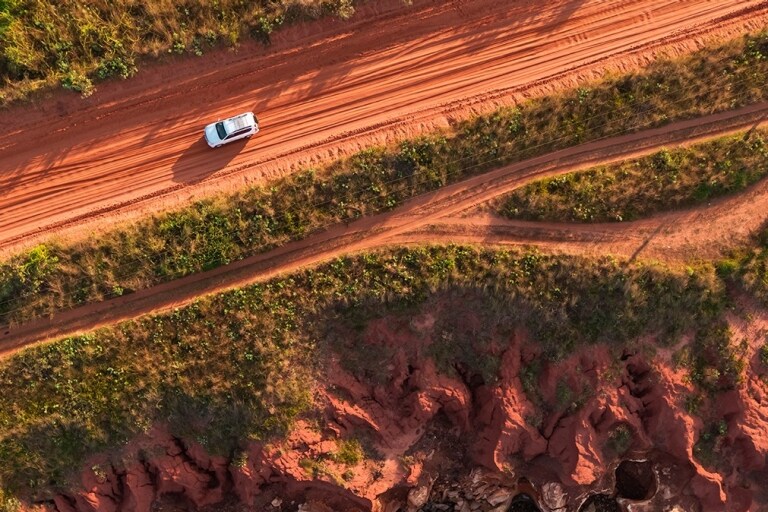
[240, 121]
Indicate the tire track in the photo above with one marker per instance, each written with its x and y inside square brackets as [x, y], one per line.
[437, 217]
[71, 165]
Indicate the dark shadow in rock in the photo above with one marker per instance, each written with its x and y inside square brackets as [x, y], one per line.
[600, 503]
[523, 503]
[635, 480]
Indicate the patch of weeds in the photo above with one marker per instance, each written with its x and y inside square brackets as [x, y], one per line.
[707, 449]
[693, 403]
[620, 439]
[764, 354]
[350, 452]
[717, 364]
[318, 469]
[45, 41]
[529, 377]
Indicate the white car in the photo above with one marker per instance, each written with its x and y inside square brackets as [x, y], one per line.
[242, 126]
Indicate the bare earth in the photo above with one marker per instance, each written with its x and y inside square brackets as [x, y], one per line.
[436, 217]
[136, 146]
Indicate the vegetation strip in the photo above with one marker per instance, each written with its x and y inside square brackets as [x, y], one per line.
[240, 364]
[668, 179]
[75, 44]
[217, 231]
[748, 268]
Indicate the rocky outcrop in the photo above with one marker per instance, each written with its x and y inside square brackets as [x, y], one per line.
[162, 465]
[501, 420]
[558, 431]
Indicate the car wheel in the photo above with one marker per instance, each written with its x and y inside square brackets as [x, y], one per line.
[217, 146]
[249, 136]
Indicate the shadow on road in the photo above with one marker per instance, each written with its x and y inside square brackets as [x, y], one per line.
[567, 11]
[199, 161]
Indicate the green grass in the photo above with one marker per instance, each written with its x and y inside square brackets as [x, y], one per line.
[76, 43]
[217, 231]
[242, 364]
[668, 179]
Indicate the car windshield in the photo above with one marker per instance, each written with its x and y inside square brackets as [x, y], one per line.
[220, 130]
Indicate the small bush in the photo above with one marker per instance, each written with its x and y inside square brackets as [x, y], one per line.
[350, 452]
[620, 439]
[752, 272]
[709, 445]
[77, 82]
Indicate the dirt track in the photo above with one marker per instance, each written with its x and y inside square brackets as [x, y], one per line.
[436, 217]
[137, 146]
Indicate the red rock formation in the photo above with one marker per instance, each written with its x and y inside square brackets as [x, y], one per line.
[139, 489]
[500, 421]
[564, 457]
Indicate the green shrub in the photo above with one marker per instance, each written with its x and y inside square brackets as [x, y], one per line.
[708, 448]
[753, 267]
[717, 364]
[620, 439]
[77, 82]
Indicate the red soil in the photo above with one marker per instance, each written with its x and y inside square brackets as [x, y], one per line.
[432, 217]
[320, 90]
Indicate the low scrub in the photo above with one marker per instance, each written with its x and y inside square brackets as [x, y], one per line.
[217, 231]
[76, 43]
[242, 364]
[748, 267]
[668, 179]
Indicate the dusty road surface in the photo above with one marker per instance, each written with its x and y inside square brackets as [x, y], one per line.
[319, 89]
[449, 215]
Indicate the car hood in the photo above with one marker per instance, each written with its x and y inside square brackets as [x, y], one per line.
[211, 136]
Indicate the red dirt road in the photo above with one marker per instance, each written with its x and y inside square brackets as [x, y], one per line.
[436, 217]
[137, 145]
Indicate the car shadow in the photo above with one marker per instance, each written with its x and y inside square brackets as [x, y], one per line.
[200, 161]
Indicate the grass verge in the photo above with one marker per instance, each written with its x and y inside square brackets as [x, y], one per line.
[668, 179]
[217, 231]
[75, 44]
[242, 364]
[748, 267]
